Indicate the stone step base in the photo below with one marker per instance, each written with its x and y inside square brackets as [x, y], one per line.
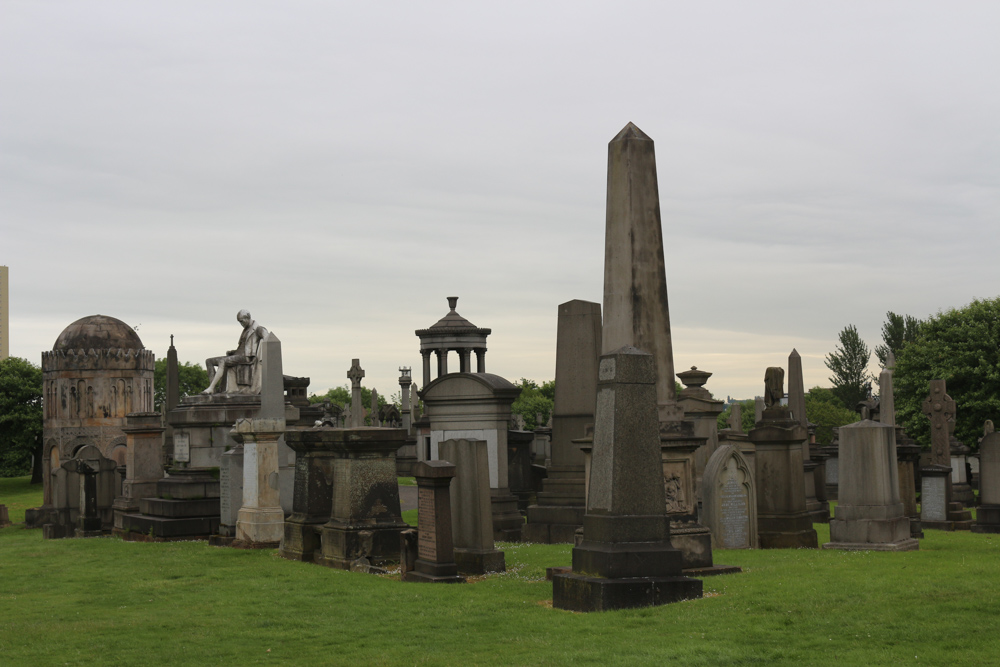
[581, 593]
[947, 525]
[902, 545]
[167, 527]
[176, 509]
[711, 571]
[550, 533]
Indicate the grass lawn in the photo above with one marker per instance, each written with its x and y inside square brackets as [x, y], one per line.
[103, 601]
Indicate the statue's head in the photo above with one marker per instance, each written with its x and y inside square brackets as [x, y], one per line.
[243, 317]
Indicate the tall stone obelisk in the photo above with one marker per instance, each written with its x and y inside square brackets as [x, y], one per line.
[635, 279]
[636, 314]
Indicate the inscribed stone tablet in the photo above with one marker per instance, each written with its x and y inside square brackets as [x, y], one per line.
[932, 499]
[733, 507]
[182, 447]
[427, 524]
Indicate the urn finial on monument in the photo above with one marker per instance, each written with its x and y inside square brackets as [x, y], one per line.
[636, 312]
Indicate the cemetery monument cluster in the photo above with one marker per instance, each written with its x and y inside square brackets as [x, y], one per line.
[638, 477]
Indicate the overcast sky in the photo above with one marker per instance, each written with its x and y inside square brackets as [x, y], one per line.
[340, 168]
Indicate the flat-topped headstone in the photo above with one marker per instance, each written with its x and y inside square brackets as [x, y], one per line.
[934, 493]
[988, 512]
[471, 511]
[435, 560]
[230, 490]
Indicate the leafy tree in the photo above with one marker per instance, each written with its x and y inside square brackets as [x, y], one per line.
[897, 331]
[20, 416]
[342, 394]
[961, 347]
[824, 409]
[191, 379]
[534, 400]
[849, 363]
[747, 409]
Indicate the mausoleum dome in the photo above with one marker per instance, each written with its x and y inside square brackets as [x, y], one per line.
[98, 332]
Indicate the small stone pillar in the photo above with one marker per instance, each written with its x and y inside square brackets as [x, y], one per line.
[908, 463]
[704, 410]
[626, 559]
[869, 516]
[260, 520]
[4, 517]
[988, 513]
[782, 519]
[471, 511]
[230, 492]
[435, 549]
[143, 464]
[313, 495]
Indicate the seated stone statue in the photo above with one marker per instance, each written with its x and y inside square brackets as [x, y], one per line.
[239, 371]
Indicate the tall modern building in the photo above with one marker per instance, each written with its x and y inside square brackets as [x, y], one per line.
[4, 314]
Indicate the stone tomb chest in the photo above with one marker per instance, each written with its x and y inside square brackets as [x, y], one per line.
[729, 500]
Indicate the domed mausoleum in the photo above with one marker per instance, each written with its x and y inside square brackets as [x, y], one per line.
[97, 372]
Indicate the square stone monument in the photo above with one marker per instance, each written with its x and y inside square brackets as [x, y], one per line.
[626, 558]
[869, 516]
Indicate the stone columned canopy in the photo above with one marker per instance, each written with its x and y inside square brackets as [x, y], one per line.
[452, 332]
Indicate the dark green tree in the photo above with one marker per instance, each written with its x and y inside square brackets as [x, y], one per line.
[746, 415]
[897, 331]
[534, 400]
[342, 394]
[961, 347]
[849, 364]
[192, 379]
[824, 409]
[20, 416]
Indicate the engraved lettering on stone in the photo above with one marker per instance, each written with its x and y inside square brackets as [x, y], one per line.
[182, 447]
[733, 509]
[426, 520]
[932, 499]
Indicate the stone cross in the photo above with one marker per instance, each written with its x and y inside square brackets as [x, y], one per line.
[940, 409]
[736, 418]
[357, 411]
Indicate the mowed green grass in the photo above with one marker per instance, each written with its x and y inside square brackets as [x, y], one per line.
[103, 601]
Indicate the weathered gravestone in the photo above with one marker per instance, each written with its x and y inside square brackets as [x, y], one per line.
[820, 511]
[143, 464]
[869, 516]
[4, 517]
[782, 519]
[729, 499]
[435, 548]
[261, 519]
[940, 409]
[230, 494]
[313, 494]
[365, 520]
[561, 503]
[626, 558]
[988, 513]
[472, 522]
